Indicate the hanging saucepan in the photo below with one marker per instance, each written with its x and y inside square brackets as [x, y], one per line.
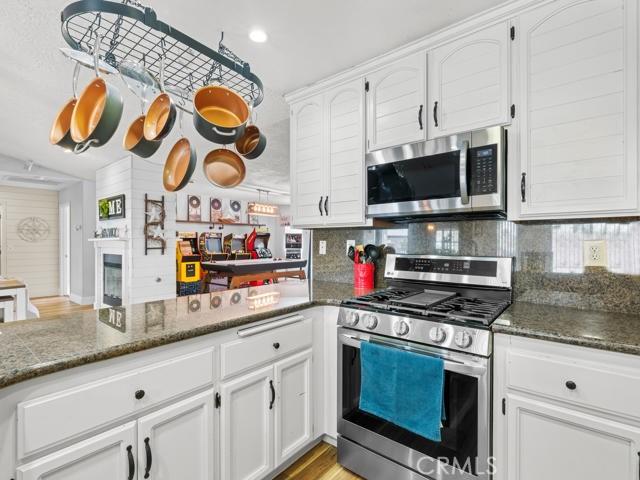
[224, 168]
[179, 166]
[219, 114]
[161, 114]
[60, 130]
[252, 142]
[97, 112]
[135, 142]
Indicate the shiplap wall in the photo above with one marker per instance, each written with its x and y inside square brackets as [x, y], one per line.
[37, 263]
[153, 276]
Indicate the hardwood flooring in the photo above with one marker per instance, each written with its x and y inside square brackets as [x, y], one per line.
[320, 463]
[54, 306]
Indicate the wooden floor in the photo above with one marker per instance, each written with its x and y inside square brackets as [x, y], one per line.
[54, 306]
[320, 463]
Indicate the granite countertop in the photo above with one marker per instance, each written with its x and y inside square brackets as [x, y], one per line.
[616, 332]
[32, 348]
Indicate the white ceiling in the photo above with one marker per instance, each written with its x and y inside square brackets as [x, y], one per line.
[308, 40]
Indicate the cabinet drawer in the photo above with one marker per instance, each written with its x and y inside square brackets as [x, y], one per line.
[61, 416]
[612, 389]
[258, 348]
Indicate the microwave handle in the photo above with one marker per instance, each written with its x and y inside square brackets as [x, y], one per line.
[464, 190]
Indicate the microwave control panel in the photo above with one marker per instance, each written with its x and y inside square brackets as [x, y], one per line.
[483, 165]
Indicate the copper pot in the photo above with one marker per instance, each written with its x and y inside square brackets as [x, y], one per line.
[179, 166]
[160, 119]
[224, 168]
[252, 143]
[220, 114]
[60, 133]
[135, 142]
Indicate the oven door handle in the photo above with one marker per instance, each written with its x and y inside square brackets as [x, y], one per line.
[464, 189]
[449, 365]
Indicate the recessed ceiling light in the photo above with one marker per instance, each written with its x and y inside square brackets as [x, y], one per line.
[258, 36]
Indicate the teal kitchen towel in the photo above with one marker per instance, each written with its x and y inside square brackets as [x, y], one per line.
[402, 387]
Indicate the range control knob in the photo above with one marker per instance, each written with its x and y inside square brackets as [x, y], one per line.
[352, 319]
[401, 328]
[370, 321]
[463, 339]
[437, 334]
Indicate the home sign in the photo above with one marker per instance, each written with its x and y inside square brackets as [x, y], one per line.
[112, 207]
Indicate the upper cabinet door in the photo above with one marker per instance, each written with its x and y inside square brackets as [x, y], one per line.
[307, 162]
[469, 82]
[396, 100]
[293, 420]
[108, 456]
[345, 149]
[178, 441]
[578, 98]
[246, 426]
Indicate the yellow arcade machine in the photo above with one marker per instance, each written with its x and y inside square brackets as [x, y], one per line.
[187, 264]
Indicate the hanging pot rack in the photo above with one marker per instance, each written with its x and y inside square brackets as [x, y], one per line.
[131, 31]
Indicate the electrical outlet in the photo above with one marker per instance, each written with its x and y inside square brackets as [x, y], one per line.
[323, 247]
[595, 253]
[350, 243]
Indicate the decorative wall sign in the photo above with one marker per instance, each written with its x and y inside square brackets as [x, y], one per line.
[194, 208]
[33, 229]
[216, 210]
[111, 208]
[154, 224]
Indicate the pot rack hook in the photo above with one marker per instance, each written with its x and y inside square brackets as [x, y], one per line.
[162, 58]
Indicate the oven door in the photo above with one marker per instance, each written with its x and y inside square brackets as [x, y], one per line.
[463, 452]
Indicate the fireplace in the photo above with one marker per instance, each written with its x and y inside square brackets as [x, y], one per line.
[112, 279]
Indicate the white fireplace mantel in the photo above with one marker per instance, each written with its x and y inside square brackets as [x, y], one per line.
[112, 246]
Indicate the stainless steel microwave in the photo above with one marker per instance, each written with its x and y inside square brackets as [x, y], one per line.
[459, 174]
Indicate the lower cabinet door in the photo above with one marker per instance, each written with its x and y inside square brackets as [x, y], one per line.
[108, 456]
[178, 441]
[293, 413]
[550, 442]
[246, 426]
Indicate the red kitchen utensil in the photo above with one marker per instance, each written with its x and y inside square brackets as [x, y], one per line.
[363, 275]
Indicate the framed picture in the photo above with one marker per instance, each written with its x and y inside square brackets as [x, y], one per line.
[194, 208]
[111, 208]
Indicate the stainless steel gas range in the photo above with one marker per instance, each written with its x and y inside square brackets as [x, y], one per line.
[438, 306]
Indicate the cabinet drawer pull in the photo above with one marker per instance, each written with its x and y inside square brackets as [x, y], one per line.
[147, 449]
[420, 116]
[320, 206]
[435, 113]
[326, 208]
[139, 394]
[273, 394]
[132, 465]
[276, 345]
[571, 385]
[523, 187]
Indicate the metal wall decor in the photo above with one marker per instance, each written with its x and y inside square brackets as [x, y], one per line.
[33, 229]
[154, 225]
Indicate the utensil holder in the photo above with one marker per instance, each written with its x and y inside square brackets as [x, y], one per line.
[363, 275]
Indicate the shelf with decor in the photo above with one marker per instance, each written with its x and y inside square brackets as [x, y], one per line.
[224, 224]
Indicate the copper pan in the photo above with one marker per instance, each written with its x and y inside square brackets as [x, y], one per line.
[224, 168]
[179, 166]
[219, 114]
[161, 115]
[60, 133]
[135, 142]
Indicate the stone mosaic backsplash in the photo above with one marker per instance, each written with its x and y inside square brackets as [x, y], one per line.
[549, 266]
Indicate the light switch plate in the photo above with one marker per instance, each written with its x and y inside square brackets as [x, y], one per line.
[595, 253]
[350, 243]
[322, 247]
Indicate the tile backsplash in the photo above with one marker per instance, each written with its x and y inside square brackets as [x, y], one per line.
[549, 266]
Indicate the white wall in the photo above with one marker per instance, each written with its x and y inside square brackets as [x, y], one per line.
[36, 263]
[81, 197]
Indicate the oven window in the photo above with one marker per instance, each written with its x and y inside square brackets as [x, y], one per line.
[424, 178]
[459, 429]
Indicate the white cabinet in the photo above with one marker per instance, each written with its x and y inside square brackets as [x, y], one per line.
[266, 416]
[564, 412]
[327, 158]
[178, 440]
[107, 456]
[246, 426]
[396, 102]
[555, 443]
[578, 109]
[308, 165]
[293, 421]
[469, 82]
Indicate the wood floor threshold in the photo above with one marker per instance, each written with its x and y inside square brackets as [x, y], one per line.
[319, 463]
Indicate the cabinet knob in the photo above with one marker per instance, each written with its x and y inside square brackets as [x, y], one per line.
[571, 385]
[139, 394]
[276, 345]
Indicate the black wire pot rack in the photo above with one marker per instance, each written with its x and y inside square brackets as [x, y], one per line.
[131, 31]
